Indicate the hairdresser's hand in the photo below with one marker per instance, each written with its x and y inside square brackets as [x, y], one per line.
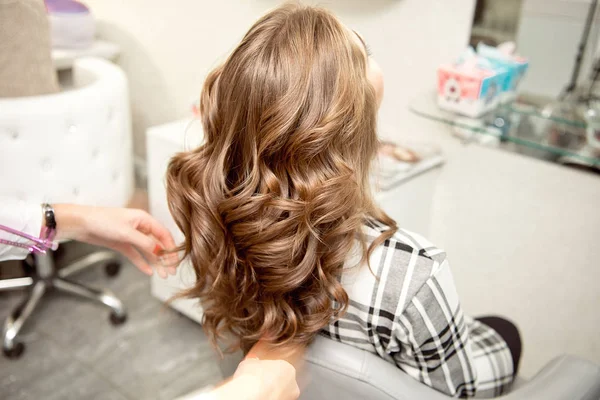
[267, 379]
[134, 233]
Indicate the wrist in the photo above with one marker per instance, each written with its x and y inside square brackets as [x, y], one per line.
[69, 221]
[243, 387]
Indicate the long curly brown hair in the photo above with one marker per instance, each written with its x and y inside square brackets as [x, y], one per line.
[274, 200]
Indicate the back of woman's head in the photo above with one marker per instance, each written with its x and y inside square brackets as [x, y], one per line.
[271, 203]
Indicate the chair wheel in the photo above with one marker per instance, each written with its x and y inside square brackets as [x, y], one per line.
[112, 268]
[117, 319]
[15, 352]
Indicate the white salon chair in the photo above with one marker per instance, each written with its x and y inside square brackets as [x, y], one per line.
[74, 146]
[340, 371]
[334, 370]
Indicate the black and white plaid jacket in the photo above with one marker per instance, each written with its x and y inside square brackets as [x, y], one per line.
[407, 311]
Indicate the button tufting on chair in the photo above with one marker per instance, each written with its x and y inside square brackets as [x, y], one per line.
[57, 133]
[46, 165]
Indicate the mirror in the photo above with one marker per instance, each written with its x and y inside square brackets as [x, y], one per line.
[550, 34]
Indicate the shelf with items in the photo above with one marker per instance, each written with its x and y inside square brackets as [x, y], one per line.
[541, 132]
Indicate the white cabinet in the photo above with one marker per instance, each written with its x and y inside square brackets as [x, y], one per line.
[162, 142]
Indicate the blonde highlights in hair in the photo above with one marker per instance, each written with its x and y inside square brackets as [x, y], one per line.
[272, 203]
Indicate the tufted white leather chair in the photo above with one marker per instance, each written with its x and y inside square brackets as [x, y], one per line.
[74, 146]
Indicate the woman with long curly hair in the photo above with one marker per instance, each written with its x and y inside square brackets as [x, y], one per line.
[280, 225]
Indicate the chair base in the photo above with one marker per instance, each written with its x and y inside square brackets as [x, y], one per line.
[47, 279]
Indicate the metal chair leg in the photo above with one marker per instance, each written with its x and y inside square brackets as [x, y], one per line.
[87, 261]
[105, 297]
[15, 283]
[14, 322]
[49, 278]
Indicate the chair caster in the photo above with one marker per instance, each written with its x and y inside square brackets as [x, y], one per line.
[117, 319]
[15, 352]
[112, 268]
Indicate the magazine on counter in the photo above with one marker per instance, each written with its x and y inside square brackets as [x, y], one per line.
[397, 162]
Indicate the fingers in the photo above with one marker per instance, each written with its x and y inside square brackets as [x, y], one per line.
[141, 260]
[151, 227]
[148, 247]
[161, 233]
[135, 257]
[168, 260]
[144, 243]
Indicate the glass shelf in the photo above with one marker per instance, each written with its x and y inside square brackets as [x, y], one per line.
[552, 134]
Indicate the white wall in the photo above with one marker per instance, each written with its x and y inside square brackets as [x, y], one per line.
[169, 46]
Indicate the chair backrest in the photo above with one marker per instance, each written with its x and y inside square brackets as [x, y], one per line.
[74, 146]
[339, 371]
